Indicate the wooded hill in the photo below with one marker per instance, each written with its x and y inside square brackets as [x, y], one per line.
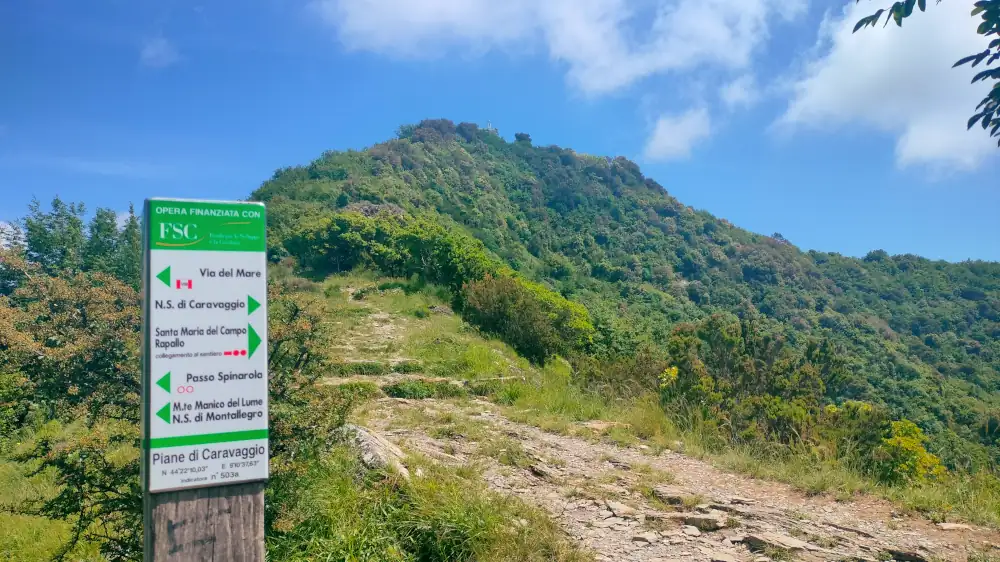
[747, 330]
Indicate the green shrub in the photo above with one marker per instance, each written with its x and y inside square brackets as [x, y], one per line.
[359, 391]
[535, 321]
[406, 367]
[501, 392]
[902, 457]
[399, 246]
[14, 403]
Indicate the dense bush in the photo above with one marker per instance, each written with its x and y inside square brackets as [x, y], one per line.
[761, 390]
[902, 458]
[533, 320]
[400, 246]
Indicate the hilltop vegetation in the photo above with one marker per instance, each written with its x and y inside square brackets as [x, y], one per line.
[916, 339]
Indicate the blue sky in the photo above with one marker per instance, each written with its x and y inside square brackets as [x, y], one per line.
[769, 113]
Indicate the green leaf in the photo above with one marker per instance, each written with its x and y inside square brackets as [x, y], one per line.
[991, 73]
[984, 27]
[973, 120]
[977, 10]
[868, 20]
[922, 4]
[965, 60]
[897, 13]
[908, 8]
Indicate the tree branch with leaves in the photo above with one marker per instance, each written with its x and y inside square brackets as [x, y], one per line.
[988, 111]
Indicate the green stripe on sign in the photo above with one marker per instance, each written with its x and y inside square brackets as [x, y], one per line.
[205, 225]
[208, 438]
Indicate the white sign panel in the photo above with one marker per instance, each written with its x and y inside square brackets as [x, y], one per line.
[206, 344]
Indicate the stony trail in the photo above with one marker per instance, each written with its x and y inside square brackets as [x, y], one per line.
[629, 504]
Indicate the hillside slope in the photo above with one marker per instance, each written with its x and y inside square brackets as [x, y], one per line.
[616, 494]
[921, 337]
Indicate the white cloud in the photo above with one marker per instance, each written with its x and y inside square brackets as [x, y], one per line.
[675, 135]
[900, 81]
[158, 52]
[741, 92]
[605, 45]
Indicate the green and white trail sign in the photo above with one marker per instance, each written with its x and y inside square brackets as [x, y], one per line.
[205, 357]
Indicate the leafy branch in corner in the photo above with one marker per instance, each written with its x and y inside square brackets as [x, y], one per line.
[988, 111]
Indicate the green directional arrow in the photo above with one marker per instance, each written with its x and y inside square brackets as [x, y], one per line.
[164, 413]
[254, 341]
[164, 276]
[252, 305]
[164, 382]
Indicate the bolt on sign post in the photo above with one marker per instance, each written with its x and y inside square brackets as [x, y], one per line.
[205, 440]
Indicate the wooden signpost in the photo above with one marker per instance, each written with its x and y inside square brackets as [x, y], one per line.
[205, 409]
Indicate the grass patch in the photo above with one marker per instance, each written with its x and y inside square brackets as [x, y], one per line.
[339, 511]
[451, 426]
[407, 367]
[775, 553]
[364, 368]
[506, 451]
[27, 538]
[975, 498]
[807, 474]
[692, 501]
[359, 391]
[422, 389]
[646, 478]
[37, 539]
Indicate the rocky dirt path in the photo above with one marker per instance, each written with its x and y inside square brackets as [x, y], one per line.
[627, 504]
